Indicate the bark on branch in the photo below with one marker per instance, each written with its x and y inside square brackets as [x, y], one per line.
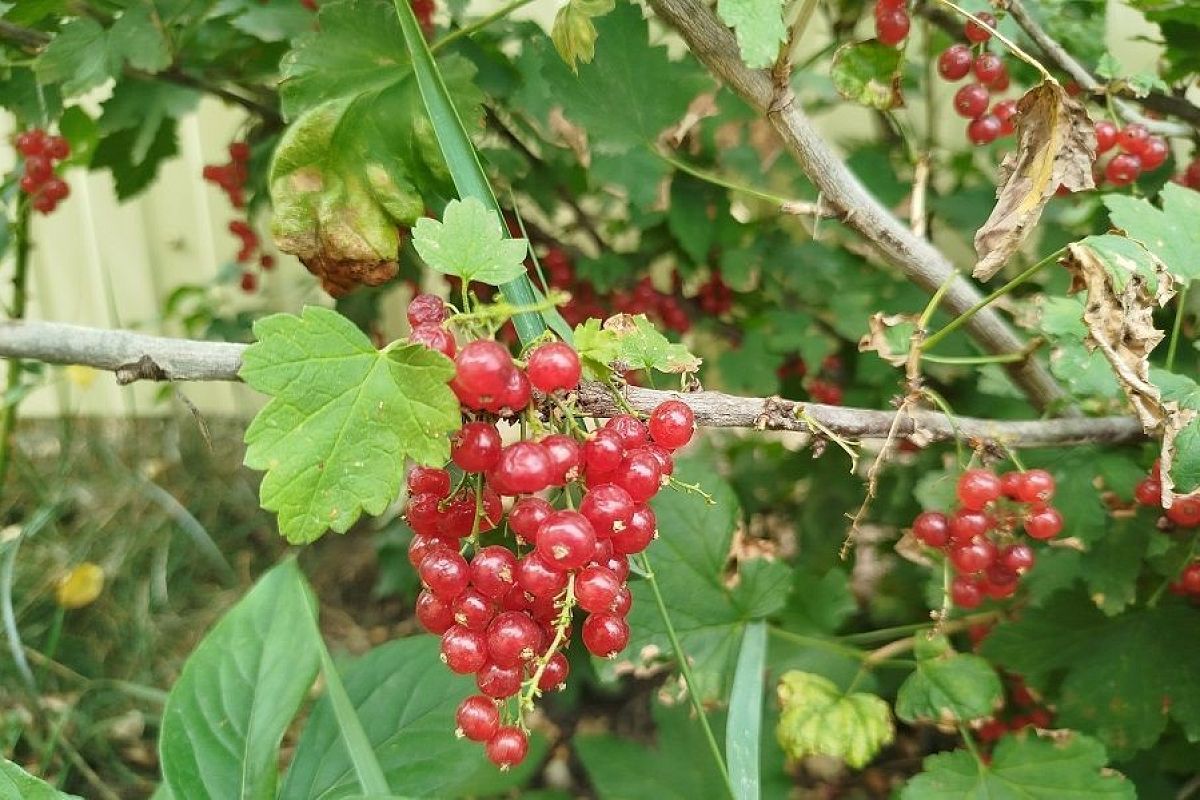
[715, 46]
[136, 356]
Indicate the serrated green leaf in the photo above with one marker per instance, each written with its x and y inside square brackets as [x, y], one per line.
[1022, 768]
[868, 73]
[947, 686]
[819, 719]
[574, 34]
[342, 419]
[238, 691]
[641, 346]
[597, 347]
[137, 38]
[759, 28]
[17, 784]
[470, 243]
[1169, 232]
[1108, 67]
[77, 57]
[274, 20]
[117, 150]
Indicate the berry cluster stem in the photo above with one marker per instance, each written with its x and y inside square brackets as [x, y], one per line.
[8, 421]
[1009, 43]
[560, 634]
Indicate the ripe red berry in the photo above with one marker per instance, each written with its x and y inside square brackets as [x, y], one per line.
[478, 718]
[1133, 138]
[1044, 523]
[29, 185]
[1123, 169]
[1010, 484]
[434, 614]
[596, 588]
[955, 62]
[566, 458]
[524, 468]
[499, 682]
[932, 528]
[463, 651]
[426, 309]
[507, 748]
[605, 635]
[482, 368]
[966, 524]
[977, 33]
[622, 602]
[608, 508]
[666, 464]
[31, 142]
[56, 189]
[512, 638]
[435, 337]
[1005, 111]
[629, 429]
[239, 151]
[1148, 493]
[602, 453]
[429, 480]
[965, 592]
[58, 148]
[554, 676]
[473, 610]
[1154, 153]
[493, 571]
[672, 424]
[1037, 486]
[566, 540]
[988, 67]
[1185, 511]
[891, 26]
[640, 475]
[973, 556]
[249, 282]
[1106, 136]
[553, 366]
[445, 573]
[1189, 579]
[971, 100]
[527, 515]
[539, 577]
[38, 168]
[976, 488]
[984, 130]
[637, 535]
[423, 515]
[1017, 557]
[476, 447]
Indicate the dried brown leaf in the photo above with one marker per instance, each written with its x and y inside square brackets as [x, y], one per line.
[889, 335]
[341, 276]
[1056, 145]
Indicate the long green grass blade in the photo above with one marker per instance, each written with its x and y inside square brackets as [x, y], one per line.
[461, 158]
[743, 726]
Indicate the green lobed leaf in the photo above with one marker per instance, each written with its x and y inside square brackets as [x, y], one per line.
[77, 57]
[238, 692]
[868, 73]
[641, 346]
[947, 686]
[273, 20]
[573, 32]
[137, 38]
[1022, 768]
[406, 699]
[470, 243]
[819, 719]
[342, 419]
[17, 784]
[759, 28]
[1169, 233]
[597, 347]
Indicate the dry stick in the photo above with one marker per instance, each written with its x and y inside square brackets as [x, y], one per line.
[923, 263]
[138, 356]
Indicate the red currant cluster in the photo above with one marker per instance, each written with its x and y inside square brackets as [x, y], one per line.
[231, 176]
[826, 387]
[990, 75]
[1137, 152]
[504, 611]
[980, 536]
[1021, 710]
[1184, 511]
[40, 151]
[245, 255]
[891, 21]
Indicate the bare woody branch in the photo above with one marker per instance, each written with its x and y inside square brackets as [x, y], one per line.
[923, 263]
[135, 356]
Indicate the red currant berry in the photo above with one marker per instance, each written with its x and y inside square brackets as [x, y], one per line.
[1154, 153]
[672, 424]
[891, 26]
[554, 676]
[57, 147]
[38, 168]
[249, 281]
[1189, 579]
[421, 546]
[608, 508]
[1037, 486]
[429, 480]
[423, 514]
[445, 573]
[977, 33]
[932, 528]
[617, 563]
[966, 525]
[1044, 523]
[56, 189]
[527, 515]
[426, 309]
[1005, 111]
[984, 130]
[999, 591]
[1133, 138]
[463, 651]
[29, 185]
[1106, 136]
[1148, 493]
[666, 464]
[976, 488]
[512, 637]
[1185, 511]
[539, 578]
[971, 100]
[524, 468]
[494, 571]
[515, 397]
[596, 588]
[566, 458]
[955, 62]
[499, 682]
[987, 68]
[1000, 575]
[478, 718]
[507, 748]
[640, 475]
[473, 610]
[435, 337]
[622, 602]
[637, 535]
[476, 447]
[1017, 557]
[965, 592]
[1123, 169]
[629, 430]
[605, 635]
[973, 556]
[482, 368]
[239, 151]
[434, 614]
[554, 366]
[602, 453]
[566, 540]
[1010, 484]
[31, 143]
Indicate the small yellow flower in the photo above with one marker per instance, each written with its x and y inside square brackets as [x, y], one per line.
[80, 586]
[81, 376]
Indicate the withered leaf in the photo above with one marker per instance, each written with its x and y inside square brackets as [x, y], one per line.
[890, 336]
[1056, 145]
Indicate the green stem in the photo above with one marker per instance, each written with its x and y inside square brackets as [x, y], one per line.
[55, 634]
[969, 743]
[686, 670]
[1181, 299]
[478, 25]
[936, 300]
[834, 646]
[961, 319]
[898, 631]
[717, 180]
[999, 358]
[8, 422]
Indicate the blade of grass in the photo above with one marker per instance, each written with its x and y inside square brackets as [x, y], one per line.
[743, 727]
[465, 168]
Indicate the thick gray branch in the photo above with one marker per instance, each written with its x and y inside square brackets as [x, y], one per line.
[923, 263]
[135, 356]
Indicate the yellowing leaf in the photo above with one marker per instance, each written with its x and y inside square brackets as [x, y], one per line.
[1056, 145]
[819, 719]
[573, 33]
[641, 346]
[868, 73]
[81, 586]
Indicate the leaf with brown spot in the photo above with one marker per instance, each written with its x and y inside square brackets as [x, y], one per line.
[1056, 145]
[889, 335]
